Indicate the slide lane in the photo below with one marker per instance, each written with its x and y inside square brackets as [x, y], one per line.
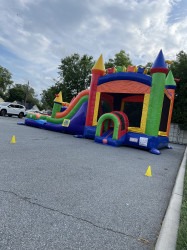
[71, 112]
[72, 104]
[74, 126]
[66, 114]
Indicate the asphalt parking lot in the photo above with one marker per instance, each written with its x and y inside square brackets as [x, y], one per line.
[60, 192]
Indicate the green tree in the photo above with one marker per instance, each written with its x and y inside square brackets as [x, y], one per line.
[148, 65]
[5, 81]
[120, 59]
[22, 93]
[179, 69]
[16, 93]
[110, 63]
[48, 96]
[75, 74]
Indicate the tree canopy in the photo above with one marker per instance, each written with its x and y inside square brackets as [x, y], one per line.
[179, 70]
[75, 74]
[48, 95]
[22, 93]
[5, 80]
[120, 59]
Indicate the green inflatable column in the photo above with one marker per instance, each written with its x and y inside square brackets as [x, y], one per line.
[158, 71]
[57, 104]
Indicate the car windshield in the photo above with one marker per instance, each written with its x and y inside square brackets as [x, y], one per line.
[4, 103]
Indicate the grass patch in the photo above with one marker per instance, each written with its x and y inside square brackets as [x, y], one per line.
[182, 231]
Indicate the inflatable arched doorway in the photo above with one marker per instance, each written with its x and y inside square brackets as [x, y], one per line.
[112, 125]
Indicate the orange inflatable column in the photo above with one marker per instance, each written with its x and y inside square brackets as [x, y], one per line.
[170, 86]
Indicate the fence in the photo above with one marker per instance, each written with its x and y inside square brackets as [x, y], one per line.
[177, 135]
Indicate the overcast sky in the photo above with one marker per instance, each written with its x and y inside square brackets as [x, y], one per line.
[36, 34]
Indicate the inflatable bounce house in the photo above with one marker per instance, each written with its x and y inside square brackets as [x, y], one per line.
[122, 107]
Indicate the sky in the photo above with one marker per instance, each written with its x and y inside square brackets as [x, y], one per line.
[36, 35]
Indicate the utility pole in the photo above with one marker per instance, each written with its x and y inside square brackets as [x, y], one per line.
[26, 94]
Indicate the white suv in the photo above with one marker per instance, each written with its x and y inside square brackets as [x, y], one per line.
[7, 108]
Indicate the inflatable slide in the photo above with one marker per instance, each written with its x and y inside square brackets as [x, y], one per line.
[70, 121]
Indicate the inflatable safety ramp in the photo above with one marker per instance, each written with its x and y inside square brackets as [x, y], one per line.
[112, 128]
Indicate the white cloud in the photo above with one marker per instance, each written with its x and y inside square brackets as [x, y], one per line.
[35, 35]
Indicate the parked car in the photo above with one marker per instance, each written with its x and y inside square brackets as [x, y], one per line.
[7, 108]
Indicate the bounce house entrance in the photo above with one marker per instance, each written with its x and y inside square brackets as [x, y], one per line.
[111, 128]
[107, 129]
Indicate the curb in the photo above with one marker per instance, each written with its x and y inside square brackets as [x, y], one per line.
[168, 234]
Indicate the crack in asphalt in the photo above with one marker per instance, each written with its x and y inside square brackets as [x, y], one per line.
[179, 194]
[27, 199]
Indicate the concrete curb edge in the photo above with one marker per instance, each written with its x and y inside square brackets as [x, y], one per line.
[168, 233]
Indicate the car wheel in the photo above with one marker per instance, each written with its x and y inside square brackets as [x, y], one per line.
[3, 112]
[21, 115]
[9, 115]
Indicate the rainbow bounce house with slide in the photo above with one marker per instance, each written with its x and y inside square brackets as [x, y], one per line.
[123, 107]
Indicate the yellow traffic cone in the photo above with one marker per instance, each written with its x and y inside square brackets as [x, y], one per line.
[148, 172]
[13, 140]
